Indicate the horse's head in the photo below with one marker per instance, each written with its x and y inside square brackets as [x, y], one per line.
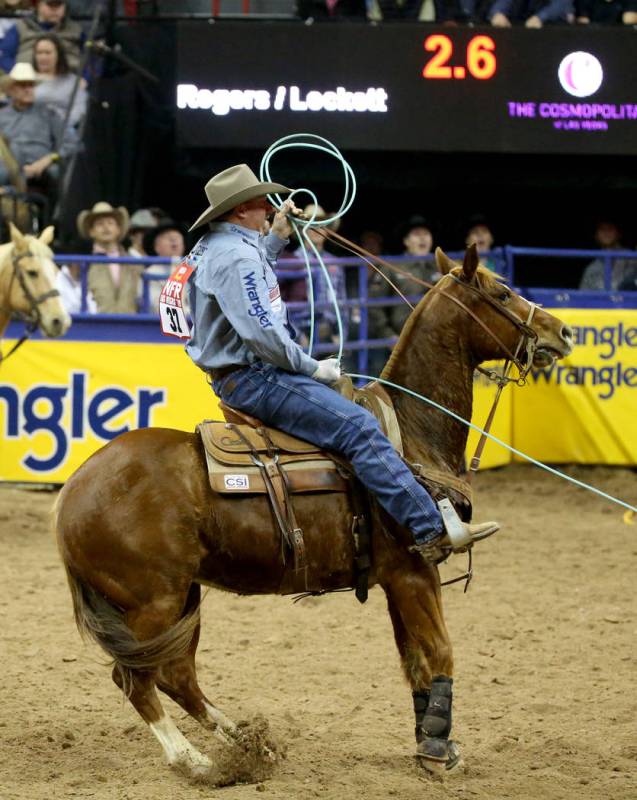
[503, 324]
[31, 291]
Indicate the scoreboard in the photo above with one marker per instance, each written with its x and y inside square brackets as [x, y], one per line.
[408, 87]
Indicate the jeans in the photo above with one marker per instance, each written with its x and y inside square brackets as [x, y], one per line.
[303, 407]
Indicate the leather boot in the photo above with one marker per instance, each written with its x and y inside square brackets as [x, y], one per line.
[457, 537]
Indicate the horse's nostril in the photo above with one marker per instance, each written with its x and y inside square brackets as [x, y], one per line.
[567, 332]
[56, 324]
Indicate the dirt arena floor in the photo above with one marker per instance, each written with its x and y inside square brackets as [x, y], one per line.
[545, 696]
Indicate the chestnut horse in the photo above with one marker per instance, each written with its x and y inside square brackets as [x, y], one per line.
[27, 283]
[140, 530]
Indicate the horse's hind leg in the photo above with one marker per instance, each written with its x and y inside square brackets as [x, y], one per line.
[140, 686]
[415, 607]
[178, 679]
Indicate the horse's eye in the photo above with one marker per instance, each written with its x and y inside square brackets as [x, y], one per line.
[504, 297]
[32, 273]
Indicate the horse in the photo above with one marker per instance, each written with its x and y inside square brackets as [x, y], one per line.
[140, 531]
[27, 284]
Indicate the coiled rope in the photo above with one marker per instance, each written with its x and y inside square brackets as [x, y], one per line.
[310, 141]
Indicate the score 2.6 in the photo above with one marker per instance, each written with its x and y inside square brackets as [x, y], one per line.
[480, 59]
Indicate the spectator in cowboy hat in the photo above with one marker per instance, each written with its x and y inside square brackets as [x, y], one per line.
[32, 132]
[386, 322]
[140, 223]
[166, 240]
[49, 17]
[116, 287]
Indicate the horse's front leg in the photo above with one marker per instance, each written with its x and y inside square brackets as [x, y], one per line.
[415, 607]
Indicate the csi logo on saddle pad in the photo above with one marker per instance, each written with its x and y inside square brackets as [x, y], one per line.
[236, 482]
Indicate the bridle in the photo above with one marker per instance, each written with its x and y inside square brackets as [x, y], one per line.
[32, 317]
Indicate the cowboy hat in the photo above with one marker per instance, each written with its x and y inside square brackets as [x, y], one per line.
[317, 214]
[150, 237]
[22, 72]
[85, 219]
[230, 188]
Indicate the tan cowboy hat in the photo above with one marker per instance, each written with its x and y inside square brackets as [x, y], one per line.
[22, 72]
[308, 213]
[230, 188]
[85, 219]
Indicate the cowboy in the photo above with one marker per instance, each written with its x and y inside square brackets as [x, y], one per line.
[116, 287]
[243, 340]
[32, 131]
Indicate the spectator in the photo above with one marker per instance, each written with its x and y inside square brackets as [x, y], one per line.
[295, 289]
[607, 237]
[331, 9]
[115, 287]
[422, 10]
[140, 223]
[167, 240]
[386, 322]
[33, 132]
[49, 17]
[57, 82]
[606, 12]
[69, 285]
[534, 13]
[372, 241]
[479, 233]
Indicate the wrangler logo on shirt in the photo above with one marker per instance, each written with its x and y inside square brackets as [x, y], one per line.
[257, 309]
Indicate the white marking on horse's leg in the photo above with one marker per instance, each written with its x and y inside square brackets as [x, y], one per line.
[178, 750]
[220, 719]
[226, 730]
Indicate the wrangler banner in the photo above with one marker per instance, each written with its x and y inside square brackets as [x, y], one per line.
[584, 409]
[62, 400]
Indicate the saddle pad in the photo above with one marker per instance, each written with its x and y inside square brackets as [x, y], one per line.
[231, 469]
[222, 442]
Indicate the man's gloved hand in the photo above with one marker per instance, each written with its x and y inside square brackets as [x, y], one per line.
[328, 371]
[281, 225]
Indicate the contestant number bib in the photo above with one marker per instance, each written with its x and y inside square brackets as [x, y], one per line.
[171, 312]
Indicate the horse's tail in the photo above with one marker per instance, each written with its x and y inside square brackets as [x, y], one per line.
[97, 619]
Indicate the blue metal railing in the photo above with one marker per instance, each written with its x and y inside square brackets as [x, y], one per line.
[356, 308]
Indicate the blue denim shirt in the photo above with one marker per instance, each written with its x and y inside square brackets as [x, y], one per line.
[236, 305]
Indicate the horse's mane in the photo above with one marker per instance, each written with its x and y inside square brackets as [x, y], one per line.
[485, 278]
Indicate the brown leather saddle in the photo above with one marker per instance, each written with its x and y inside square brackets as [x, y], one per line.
[244, 456]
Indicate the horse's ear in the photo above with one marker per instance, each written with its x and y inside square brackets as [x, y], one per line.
[443, 262]
[46, 237]
[470, 262]
[18, 238]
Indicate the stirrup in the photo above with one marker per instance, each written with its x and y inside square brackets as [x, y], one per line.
[458, 537]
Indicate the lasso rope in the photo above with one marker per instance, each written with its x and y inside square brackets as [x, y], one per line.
[309, 141]
[313, 142]
[495, 439]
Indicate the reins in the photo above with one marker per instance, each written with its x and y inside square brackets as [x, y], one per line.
[32, 318]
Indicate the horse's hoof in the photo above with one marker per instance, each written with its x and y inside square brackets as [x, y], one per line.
[439, 756]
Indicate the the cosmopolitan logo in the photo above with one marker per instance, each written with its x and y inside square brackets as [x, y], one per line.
[581, 75]
[221, 102]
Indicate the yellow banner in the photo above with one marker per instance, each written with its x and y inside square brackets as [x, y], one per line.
[62, 400]
[583, 409]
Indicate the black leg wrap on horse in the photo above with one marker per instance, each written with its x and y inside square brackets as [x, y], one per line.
[437, 720]
[421, 701]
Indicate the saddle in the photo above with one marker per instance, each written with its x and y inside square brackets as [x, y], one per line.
[246, 457]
